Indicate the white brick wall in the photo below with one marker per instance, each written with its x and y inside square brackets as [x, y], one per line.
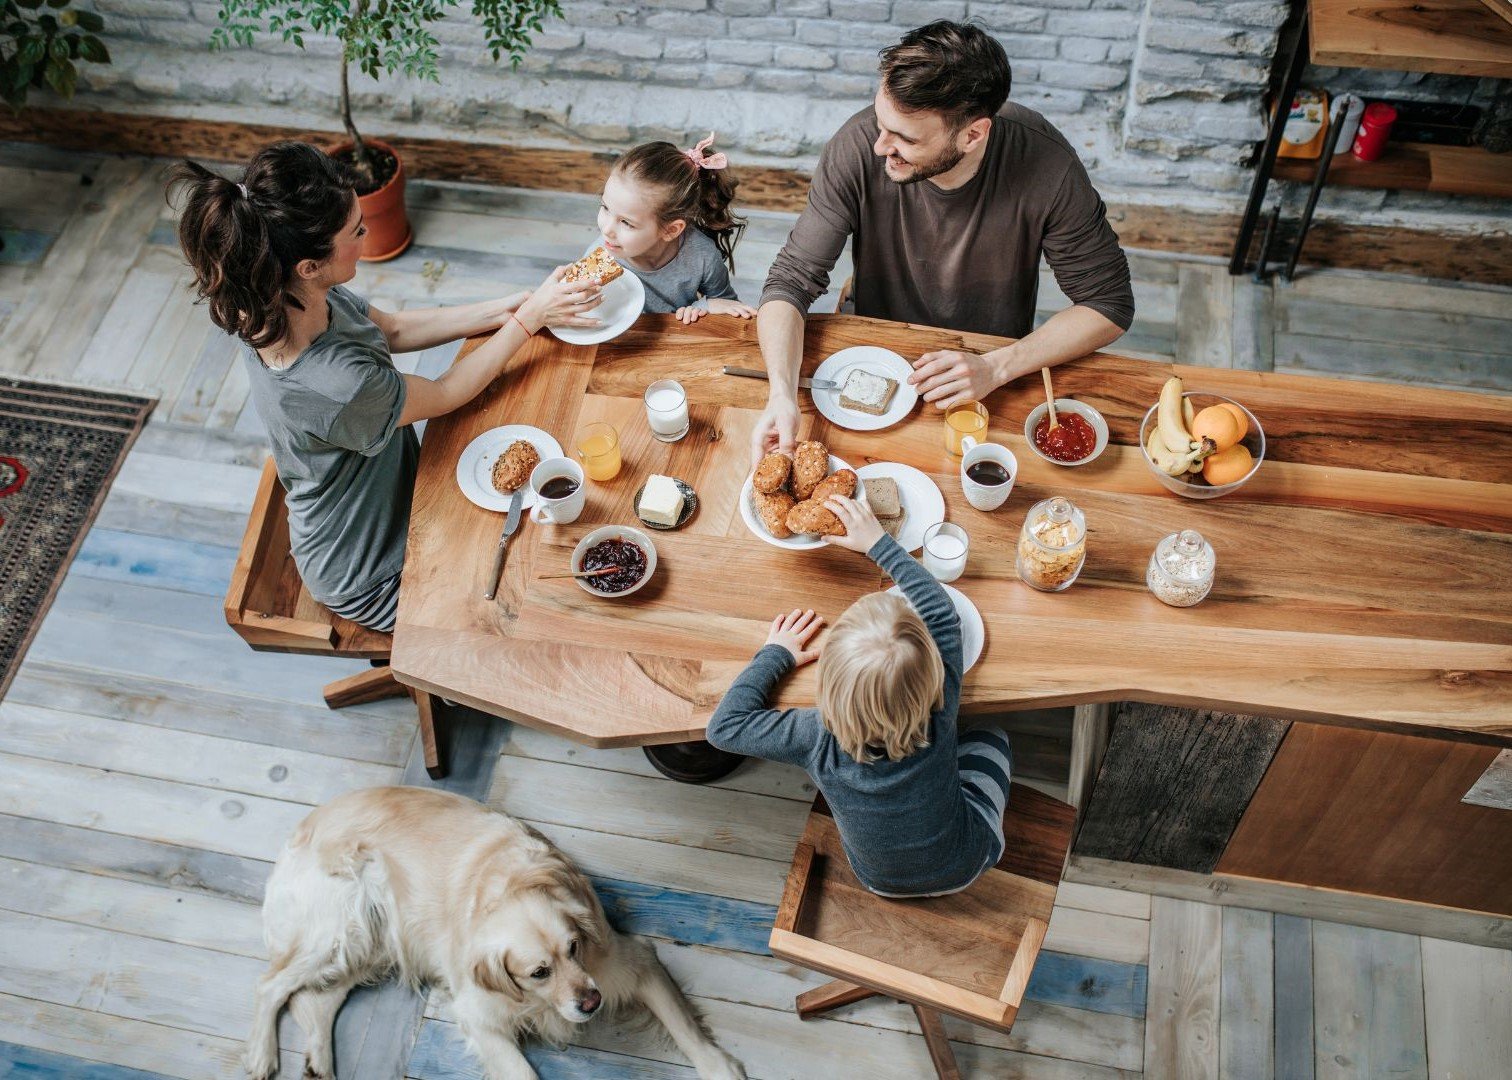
[1157, 95]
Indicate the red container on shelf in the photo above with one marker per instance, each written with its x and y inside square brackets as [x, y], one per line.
[1375, 128]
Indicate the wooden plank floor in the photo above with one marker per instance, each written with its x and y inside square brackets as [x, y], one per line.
[151, 765]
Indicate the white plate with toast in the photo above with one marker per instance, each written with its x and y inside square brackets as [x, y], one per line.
[973, 629]
[798, 541]
[864, 360]
[624, 300]
[921, 500]
[475, 466]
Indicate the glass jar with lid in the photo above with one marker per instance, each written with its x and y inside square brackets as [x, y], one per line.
[1181, 569]
[1052, 545]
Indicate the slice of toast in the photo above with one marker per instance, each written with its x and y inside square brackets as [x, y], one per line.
[867, 393]
[882, 495]
[598, 263]
[893, 527]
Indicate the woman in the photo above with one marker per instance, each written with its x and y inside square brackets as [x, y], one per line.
[270, 256]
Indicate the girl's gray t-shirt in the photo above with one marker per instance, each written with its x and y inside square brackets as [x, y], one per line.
[347, 469]
[697, 270]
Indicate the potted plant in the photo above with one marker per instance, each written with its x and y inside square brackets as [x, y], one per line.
[40, 50]
[379, 36]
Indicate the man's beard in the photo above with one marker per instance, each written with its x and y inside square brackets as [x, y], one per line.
[942, 164]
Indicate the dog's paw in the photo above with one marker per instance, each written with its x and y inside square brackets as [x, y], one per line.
[312, 1073]
[259, 1063]
[720, 1066]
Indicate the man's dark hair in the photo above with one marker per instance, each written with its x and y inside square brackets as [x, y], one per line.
[955, 69]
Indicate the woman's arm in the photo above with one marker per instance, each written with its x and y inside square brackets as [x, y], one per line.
[425, 328]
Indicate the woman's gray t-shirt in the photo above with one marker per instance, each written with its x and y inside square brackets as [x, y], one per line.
[332, 417]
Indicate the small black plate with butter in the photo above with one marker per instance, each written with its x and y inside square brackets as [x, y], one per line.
[690, 504]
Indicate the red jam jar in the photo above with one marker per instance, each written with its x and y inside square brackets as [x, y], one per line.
[1375, 128]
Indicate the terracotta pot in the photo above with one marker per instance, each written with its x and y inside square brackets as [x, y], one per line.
[388, 227]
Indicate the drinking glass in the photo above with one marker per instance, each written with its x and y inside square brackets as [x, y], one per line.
[598, 446]
[963, 419]
[945, 547]
[667, 410]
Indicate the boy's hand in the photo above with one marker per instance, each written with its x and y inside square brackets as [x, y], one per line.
[862, 529]
[794, 631]
[731, 307]
[690, 315]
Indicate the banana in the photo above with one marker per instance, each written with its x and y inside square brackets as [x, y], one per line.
[1174, 463]
[1173, 431]
[1188, 412]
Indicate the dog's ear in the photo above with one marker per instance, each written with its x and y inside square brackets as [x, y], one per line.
[491, 972]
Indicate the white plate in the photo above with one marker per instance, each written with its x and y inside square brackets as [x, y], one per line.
[475, 466]
[878, 361]
[973, 630]
[923, 504]
[624, 300]
[798, 541]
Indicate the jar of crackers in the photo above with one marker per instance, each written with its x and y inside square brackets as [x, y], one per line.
[1052, 545]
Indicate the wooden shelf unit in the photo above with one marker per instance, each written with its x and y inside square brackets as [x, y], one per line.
[1449, 37]
[1454, 170]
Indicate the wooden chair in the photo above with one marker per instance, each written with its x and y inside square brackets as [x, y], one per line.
[968, 954]
[268, 605]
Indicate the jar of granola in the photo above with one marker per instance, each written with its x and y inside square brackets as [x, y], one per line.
[1181, 569]
[1052, 545]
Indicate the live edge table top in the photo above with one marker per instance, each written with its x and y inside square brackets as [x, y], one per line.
[1364, 574]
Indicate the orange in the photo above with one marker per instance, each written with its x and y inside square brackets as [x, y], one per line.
[1217, 423]
[1226, 466]
[1238, 415]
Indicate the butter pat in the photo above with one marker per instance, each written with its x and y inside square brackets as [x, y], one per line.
[662, 501]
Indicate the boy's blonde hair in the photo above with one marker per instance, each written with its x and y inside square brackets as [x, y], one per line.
[880, 676]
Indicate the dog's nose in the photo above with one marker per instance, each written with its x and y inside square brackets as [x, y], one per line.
[590, 1001]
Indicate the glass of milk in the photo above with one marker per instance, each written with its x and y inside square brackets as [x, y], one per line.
[945, 547]
[667, 410]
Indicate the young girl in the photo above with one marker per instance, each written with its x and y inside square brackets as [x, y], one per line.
[665, 216]
[270, 255]
[920, 813]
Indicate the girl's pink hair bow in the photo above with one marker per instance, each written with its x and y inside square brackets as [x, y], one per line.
[701, 160]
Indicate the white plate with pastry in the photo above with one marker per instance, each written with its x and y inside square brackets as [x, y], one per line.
[973, 630]
[475, 468]
[795, 541]
[624, 300]
[873, 388]
[919, 498]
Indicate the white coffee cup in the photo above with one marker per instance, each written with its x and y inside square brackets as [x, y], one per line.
[564, 510]
[987, 496]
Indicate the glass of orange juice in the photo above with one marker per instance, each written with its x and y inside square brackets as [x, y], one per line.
[963, 419]
[598, 446]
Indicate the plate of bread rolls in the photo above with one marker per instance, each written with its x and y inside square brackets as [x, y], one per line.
[782, 501]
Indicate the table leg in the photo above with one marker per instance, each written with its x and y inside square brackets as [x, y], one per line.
[692, 762]
[1089, 739]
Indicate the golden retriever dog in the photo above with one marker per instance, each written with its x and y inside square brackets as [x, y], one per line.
[438, 889]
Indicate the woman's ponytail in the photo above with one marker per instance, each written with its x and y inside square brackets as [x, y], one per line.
[244, 239]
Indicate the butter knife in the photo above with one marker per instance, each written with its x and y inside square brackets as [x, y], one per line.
[806, 383]
[511, 523]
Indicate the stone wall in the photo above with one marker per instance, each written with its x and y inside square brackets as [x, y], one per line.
[1159, 96]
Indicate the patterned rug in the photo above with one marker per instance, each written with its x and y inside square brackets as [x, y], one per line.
[60, 448]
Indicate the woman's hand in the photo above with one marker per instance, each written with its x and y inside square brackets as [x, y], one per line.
[513, 301]
[794, 631]
[560, 303]
[690, 314]
[731, 307]
[862, 529]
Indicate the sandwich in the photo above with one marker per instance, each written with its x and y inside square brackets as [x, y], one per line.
[598, 263]
[885, 502]
[867, 393]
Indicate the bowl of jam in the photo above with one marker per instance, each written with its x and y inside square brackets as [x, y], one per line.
[1080, 436]
[628, 553]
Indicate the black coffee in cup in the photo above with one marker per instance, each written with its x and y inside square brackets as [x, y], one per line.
[558, 487]
[987, 473]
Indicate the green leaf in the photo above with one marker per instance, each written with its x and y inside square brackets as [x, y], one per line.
[57, 3]
[33, 50]
[30, 5]
[61, 76]
[48, 24]
[94, 50]
[58, 48]
[89, 21]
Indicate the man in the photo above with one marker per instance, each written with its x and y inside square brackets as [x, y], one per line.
[949, 196]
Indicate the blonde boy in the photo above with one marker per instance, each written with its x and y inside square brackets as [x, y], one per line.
[920, 813]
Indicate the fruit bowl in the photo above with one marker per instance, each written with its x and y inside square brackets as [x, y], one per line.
[1193, 486]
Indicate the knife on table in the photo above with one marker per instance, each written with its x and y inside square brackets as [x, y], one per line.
[806, 383]
[511, 523]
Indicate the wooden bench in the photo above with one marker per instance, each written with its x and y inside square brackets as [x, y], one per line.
[968, 954]
[268, 605]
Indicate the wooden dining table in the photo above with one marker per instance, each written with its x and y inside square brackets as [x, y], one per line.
[1364, 574]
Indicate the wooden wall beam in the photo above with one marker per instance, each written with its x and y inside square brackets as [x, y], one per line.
[1486, 259]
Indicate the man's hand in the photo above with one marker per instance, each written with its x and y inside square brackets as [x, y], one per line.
[948, 377]
[776, 429]
[862, 529]
[794, 631]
